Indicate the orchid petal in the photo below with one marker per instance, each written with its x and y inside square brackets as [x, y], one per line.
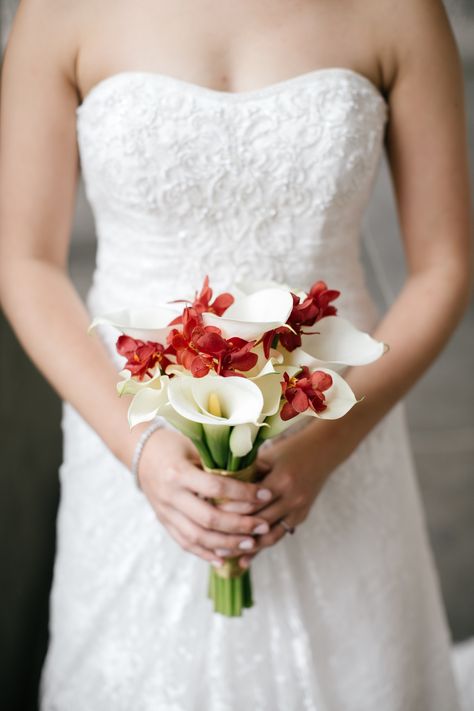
[339, 398]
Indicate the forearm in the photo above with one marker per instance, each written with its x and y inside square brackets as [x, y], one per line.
[51, 323]
[416, 328]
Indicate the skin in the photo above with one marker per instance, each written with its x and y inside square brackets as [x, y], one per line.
[58, 50]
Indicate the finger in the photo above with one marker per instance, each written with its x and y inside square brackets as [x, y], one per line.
[209, 516]
[280, 480]
[215, 486]
[242, 507]
[276, 532]
[196, 549]
[281, 508]
[221, 543]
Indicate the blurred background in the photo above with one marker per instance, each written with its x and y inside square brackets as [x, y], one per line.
[440, 410]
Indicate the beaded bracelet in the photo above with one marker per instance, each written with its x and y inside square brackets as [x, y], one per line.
[139, 448]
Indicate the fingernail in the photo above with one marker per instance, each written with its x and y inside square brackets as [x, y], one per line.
[261, 528]
[217, 563]
[222, 551]
[264, 494]
[247, 545]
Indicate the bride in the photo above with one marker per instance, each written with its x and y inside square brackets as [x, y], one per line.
[238, 140]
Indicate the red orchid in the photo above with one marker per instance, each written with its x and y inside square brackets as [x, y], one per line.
[182, 342]
[315, 306]
[202, 348]
[142, 356]
[202, 302]
[306, 390]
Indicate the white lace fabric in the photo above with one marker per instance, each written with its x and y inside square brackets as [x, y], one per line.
[271, 184]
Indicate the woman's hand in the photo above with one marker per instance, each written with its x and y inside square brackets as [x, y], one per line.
[176, 487]
[299, 466]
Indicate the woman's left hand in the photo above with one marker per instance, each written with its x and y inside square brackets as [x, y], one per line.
[298, 467]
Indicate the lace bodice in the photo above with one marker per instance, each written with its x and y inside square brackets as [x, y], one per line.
[266, 184]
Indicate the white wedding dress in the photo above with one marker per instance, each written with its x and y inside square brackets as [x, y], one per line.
[272, 183]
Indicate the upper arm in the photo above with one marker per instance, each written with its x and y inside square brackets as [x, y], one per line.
[39, 161]
[426, 139]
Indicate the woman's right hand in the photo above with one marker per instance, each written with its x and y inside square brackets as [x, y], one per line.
[170, 476]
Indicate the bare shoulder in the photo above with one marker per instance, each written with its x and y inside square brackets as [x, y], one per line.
[416, 44]
[45, 37]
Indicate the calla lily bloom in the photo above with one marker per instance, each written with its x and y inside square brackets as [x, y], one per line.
[148, 401]
[268, 380]
[130, 386]
[147, 324]
[240, 399]
[151, 399]
[252, 315]
[218, 403]
[338, 342]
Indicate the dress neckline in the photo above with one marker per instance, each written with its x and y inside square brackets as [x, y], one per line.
[235, 96]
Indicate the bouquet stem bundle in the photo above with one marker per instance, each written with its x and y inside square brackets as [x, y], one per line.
[230, 587]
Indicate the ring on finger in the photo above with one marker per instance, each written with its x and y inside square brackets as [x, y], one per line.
[289, 529]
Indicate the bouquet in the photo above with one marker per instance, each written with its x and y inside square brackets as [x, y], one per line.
[232, 372]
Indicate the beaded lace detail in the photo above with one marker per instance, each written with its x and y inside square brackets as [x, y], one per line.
[271, 184]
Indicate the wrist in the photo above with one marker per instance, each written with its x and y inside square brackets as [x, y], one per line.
[331, 439]
[139, 447]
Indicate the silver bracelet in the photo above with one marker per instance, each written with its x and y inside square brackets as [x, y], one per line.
[139, 448]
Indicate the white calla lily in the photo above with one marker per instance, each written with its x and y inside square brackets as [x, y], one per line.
[148, 401]
[130, 385]
[240, 399]
[242, 438]
[270, 388]
[337, 341]
[253, 314]
[146, 324]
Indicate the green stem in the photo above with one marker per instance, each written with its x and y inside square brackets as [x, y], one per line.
[233, 462]
[204, 453]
